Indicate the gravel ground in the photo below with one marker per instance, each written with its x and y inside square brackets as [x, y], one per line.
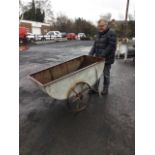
[107, 127]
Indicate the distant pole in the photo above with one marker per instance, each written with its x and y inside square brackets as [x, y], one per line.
[127, 9]
[126, 16]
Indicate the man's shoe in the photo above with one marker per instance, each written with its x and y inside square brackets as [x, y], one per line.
[93, 91]
[105, 91]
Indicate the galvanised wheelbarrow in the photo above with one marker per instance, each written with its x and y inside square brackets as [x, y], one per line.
[71, 80]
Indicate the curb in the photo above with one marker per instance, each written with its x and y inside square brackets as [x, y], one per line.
[50, 41]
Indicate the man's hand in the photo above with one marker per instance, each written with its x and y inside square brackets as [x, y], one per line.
[92, 51]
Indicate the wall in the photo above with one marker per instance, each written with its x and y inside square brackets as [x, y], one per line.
[45, 29]
[35, 27]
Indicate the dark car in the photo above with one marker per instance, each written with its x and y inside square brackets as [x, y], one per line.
[87, 37]
[64, 34]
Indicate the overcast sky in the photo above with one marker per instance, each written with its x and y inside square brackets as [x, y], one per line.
[91, 9]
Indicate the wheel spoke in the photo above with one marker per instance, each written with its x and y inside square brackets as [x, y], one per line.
[75, 100]
[78, 97]
[80, 102]
[74, 91]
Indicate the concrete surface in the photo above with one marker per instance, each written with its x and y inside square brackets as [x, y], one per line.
[46, 128]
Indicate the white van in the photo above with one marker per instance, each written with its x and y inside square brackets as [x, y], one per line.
[55, 34]
[80, 35]
[51, 35]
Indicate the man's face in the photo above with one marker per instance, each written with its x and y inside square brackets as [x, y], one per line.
[102, 26]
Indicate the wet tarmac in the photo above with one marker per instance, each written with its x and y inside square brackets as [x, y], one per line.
[106, 127]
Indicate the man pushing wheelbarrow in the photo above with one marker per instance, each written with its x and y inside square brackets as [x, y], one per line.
[72, 80]
[104, 46]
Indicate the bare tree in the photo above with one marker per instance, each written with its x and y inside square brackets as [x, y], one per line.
[121, 16]
[131, 17]
[20, 8]
[63, 23]
[23, 7]
[46, 6]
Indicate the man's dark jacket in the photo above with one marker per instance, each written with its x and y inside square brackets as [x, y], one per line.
[105, 46]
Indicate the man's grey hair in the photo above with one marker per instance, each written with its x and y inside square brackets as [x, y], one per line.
[103, 20]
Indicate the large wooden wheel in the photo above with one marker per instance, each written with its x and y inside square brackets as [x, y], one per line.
[78, 97]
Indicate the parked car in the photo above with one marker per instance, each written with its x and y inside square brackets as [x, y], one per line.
[71, 36]
[31, 37]
[56, 34]
[45, 37]
[86, 37]
[81, 35]
[50, 35]
[64, 34]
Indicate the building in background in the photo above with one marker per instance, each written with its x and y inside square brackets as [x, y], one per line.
[35, 27]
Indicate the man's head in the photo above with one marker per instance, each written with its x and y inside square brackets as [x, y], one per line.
[102, 25]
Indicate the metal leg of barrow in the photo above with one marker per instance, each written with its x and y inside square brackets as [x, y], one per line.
[78, 97]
